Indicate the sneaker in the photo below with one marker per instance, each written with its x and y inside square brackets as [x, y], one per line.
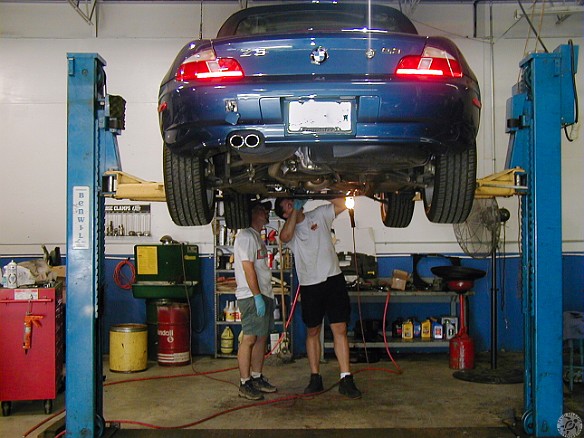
[347, 387]
[248, 391]
[315, 384]
[261, 384]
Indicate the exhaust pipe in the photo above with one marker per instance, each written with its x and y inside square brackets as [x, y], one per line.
[250, 139]
[236, 141]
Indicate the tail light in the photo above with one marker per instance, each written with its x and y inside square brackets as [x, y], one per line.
[205, 65]
[432, 62]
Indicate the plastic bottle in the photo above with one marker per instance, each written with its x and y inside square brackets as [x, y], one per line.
[230, 312]
[417, 329]
[408, 330]
[11, 275]
[226, 312]
[237, 312]
[227, 341]
[437, 330]
[396, 328]
[427, 329]
[277, 314]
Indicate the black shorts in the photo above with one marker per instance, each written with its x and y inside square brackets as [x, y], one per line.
[328, 298]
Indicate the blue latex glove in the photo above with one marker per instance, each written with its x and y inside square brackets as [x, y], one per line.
[299, 203]
[260, 304]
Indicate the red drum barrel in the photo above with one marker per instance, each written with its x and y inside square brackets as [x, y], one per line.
[173, 334]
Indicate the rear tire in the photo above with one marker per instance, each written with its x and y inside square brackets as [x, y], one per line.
[189, 199]
[397, 209]
[448, 200]
[237, 214]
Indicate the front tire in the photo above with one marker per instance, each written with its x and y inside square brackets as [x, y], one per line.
[448, 198]
[190, 200]
[397, 209]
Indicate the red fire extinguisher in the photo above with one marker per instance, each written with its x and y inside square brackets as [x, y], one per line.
[29, 321]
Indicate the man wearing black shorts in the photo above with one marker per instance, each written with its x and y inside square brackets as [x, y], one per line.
[322, 285]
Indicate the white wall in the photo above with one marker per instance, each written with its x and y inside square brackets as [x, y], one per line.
[138, 42]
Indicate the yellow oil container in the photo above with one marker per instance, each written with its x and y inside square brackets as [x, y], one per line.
[128, 348]
[427, 329]
[227, 341]
[408, 330]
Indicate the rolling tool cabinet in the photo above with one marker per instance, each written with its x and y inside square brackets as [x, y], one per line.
[31, 345]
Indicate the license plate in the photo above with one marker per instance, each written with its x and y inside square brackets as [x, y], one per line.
[319, 117]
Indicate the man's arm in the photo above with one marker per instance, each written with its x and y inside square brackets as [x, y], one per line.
[251, 276]
[339, 204]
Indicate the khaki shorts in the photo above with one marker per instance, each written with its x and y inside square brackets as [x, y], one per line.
[251, 323]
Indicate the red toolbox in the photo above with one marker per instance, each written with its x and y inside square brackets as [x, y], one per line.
[31, 345]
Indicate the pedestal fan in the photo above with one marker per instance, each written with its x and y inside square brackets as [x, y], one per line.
[478, 237]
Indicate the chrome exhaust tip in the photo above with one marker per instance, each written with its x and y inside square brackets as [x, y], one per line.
[252, 140]
[236, 141]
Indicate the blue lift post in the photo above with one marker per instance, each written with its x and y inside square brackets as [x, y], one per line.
[542, 103]
[91, 150]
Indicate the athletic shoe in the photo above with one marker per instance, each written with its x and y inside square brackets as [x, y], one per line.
[347, 387]
[261, 384]
[315, 384]
[248, 391]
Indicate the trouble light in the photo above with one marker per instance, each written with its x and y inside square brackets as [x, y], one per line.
[432, 62]
[205, 65]
[350, 202]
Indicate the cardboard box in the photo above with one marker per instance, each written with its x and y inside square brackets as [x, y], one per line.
[399, 279]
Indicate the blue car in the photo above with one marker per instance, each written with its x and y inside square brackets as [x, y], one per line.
[319, 100]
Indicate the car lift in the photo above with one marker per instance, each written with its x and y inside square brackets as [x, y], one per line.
[542, 103]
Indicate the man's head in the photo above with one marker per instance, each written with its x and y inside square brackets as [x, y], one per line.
[280, 207]
[260, 212]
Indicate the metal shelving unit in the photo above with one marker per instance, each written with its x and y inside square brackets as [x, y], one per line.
[414, 297]
[225, 291]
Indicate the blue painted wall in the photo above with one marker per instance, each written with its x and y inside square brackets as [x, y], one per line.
[120, 306]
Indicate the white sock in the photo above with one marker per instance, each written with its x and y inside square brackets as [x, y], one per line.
[256, 375]
[244, 380]
[343, 375]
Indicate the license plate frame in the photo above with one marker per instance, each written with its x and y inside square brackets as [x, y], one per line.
[320, 117]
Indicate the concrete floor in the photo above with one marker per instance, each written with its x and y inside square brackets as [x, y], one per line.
[424, 401]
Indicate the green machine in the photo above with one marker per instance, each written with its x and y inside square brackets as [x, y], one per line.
[164, 273]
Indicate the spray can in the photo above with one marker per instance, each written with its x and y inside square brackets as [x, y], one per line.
[227, 341]
[11, 275]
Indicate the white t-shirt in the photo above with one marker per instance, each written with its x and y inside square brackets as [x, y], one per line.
[250, 247]
[314, 253]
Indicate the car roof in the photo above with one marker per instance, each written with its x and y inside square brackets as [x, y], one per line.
[295, 17]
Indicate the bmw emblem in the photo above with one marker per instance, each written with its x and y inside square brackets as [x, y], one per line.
[318, 55]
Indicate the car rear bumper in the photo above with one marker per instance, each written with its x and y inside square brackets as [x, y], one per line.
[436, 115]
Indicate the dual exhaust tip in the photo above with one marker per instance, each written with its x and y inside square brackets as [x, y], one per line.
[251, 139]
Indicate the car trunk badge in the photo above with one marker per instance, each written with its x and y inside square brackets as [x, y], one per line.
[318, 55]
[369, 53]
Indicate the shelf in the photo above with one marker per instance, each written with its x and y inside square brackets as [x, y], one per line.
[239, 322]
[397, 343]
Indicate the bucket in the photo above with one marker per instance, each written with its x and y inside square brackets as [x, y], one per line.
[173, 334]
[128, 348]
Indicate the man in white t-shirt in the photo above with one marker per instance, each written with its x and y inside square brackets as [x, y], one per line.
[322, 285]
[255, 299]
